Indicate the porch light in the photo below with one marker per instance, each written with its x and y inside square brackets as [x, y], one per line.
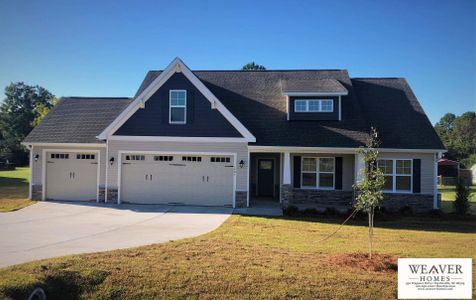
[36, 156]
[111, 161]
[241, 163]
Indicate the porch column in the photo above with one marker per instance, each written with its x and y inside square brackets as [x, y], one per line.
[359, 165]
[287, 168]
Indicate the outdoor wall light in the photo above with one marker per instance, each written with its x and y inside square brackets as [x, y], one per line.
[111, 161]
[36, 157]
[242, 163]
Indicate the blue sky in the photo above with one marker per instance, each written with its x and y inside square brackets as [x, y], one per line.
[101, 48]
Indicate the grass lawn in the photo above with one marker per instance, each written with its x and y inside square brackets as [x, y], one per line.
[14, 189]
[448, 195]
[251, 257]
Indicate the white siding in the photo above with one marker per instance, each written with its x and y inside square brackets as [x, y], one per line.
[37, 165]
[427, 167]
[241, 150]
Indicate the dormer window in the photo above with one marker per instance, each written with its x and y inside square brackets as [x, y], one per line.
[178, 107]
[313, 105]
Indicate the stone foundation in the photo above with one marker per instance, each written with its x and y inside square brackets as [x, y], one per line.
[418, 202]
[102, 193]
[36, 192]
[241, 199]
[112, 195]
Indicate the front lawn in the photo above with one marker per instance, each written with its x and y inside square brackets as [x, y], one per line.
[251, 257]
[14, 189]
[448, 195]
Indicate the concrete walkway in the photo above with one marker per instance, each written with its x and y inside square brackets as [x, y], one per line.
[50, 229]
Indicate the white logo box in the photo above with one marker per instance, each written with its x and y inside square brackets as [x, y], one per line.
[435, 278]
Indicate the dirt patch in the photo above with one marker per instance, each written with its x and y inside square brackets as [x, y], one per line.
[379, 262]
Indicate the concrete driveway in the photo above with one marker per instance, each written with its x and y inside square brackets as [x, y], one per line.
[49, 229]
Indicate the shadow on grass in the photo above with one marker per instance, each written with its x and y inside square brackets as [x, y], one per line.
[437, 222]
[8, 181]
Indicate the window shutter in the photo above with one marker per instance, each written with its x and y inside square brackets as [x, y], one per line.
[190, 106]
[297, 172]
[338, 174]
[164, 106]
[417, 175]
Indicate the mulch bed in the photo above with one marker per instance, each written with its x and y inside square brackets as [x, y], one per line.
[379, 262]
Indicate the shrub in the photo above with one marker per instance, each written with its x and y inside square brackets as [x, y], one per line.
[331, 212]
[405, 211]
[291, 210]
[461, 204]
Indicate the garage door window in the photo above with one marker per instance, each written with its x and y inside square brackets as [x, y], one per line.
[220, 159]
[135, 157]
[163, 158]
[192, 158]
[85, 156]
[59, 155]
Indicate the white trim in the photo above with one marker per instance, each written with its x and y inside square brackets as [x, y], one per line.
[296, 94]
[394, 176]
[435, 179]
[176, 139]
[340, 108]
[287, 108]
[307, 109]
[65, 144]
[318, 173]
[121, 152]
[30, 192]
[177, 106]
[176, 65]
[43, 171]
[286, 168]
[248, 180]
[106, 186]
[331, 149]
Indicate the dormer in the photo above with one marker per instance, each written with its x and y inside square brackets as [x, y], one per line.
[315, 100]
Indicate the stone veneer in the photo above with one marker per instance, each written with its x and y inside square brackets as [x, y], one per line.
[241, 199]
[37, 192]
[102, 193]
[343, 200]
[111, 195]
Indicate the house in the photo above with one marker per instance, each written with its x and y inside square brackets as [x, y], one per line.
[235, 138]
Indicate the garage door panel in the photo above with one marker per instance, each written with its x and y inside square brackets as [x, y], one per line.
[192, 180]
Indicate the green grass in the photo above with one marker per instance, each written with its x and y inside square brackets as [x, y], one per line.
[448, 195]
[250, 257]
[14, 189]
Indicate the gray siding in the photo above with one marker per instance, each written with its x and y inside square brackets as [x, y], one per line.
[241, 150]
[202, 120]
[319, 116]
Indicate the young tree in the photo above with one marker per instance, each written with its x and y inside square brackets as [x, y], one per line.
[17, 114]
[369, 188]
[253, 66]
[461, 203]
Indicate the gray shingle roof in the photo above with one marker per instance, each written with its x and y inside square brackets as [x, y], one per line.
[77, 120]
[313, 85]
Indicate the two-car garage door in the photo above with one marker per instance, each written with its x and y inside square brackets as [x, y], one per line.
[180, 179]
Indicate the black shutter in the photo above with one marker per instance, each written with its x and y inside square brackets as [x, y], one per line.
[164, 106]
[190, 106]
[338, 173]
[297, 172]
[417, 175]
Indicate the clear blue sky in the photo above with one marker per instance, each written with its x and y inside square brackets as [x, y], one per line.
[101, 48]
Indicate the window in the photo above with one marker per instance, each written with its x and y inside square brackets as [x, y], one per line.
[178, 107]
[135, 157]
[313, 105]
[59, 155]
[317, 172]
[220, 159]
[163, 158]
[85, 156]
[192, 158]
[398, 174]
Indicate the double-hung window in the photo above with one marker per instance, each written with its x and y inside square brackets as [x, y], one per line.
[313, 105]
[318, 172]
[178, 107]
[398, 174]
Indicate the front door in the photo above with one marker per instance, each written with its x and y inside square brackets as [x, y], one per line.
[266, 177]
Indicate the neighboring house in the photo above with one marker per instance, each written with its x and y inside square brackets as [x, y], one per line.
[235, 138]
[448, 171]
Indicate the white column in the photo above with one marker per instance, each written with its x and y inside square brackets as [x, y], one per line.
[435, 180]
[359, 165]
[30, 191]
[287, 168]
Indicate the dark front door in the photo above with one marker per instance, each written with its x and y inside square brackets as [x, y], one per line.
[266, 177]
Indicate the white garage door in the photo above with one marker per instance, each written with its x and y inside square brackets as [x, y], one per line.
[180, 179]
[71, 176]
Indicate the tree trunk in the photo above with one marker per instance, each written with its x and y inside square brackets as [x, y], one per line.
[371, 230]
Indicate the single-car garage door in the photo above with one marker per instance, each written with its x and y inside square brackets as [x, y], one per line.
[71, 176]
[181, 179]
